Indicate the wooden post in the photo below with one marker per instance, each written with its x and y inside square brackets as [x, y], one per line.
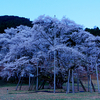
[93, 86]
[18, 83]
[21, 83]
[77, 80]
[72, 82]
[97, 78]
[54, 74]
[90, 85]
[82, 85]
[88, 82]
[88, 78]
[42, 85]
[37, 79]
[29, 81]
[67, 90]
[54, 62]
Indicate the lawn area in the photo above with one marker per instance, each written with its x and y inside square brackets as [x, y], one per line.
[11, 94]
[46, 94]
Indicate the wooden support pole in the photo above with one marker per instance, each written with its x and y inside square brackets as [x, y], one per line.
[18, 83]
[90, 85]
[54, 72]
[97, 78]
[67, 90]
[88, 82]
[37, 79]
[54, 62]
[88, 78]
[33, 82]
[21, 83]
[82, 85]
[42, 85]
[93, 86]
[77, 80]
[29, 81]
[72, 82]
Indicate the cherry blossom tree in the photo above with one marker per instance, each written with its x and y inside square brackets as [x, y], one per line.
[23, 48]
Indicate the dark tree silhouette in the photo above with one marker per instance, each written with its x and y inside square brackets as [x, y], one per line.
[95, 31]
[13, 21]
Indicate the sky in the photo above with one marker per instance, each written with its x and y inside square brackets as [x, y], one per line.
[83, 12]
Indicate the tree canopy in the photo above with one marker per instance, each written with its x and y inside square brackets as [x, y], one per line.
[23, 48]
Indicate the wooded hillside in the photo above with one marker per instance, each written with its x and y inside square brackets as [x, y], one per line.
[13, 21]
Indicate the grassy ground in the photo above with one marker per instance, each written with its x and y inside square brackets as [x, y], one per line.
[11, 94]
[45, 94]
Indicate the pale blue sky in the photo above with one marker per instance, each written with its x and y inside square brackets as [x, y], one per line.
[84, 12]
